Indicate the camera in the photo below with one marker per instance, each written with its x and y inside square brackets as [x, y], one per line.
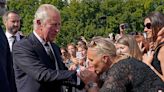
[124, 26]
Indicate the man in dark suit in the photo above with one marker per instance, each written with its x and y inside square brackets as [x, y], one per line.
[37, 61]
[11, 20]
[6, 70]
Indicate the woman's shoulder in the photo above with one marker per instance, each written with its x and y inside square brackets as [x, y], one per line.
[130, 64]
[129, 60]
[124, 65]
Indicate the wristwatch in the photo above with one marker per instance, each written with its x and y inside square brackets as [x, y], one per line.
[92, 85]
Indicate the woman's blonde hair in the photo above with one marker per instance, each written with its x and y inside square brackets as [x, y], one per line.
[105, 46]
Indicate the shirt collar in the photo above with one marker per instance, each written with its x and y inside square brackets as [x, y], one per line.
[9, 35]
[39, 38]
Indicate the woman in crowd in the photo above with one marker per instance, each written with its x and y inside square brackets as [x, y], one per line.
[154, 22]
[109, 72]
[66, 57]
[128, 45]
[72, 51]
[81, 54]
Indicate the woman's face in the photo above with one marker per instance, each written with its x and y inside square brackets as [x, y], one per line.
[122, 49]
[148, 28]
[96, 61]
[83, 51]
[71, 50]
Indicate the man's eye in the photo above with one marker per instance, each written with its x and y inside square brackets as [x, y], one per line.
[91, 60]
[56, 24]
[122, 48]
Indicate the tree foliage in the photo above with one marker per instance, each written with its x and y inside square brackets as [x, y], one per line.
[89, 18]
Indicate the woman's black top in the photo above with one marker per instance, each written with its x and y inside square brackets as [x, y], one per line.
[130, 75]
[156, 62]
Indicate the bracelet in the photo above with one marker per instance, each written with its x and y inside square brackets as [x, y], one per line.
[92, 85]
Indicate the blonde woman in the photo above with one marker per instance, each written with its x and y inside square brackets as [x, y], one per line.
[109, 72]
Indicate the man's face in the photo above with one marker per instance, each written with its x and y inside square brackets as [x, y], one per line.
[51, 26]
[12, 23]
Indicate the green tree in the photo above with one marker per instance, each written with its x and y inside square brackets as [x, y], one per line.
[89, 18]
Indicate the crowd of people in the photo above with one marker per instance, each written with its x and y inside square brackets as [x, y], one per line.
[127, 62]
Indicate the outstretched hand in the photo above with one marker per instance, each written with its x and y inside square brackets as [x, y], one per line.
[88, 76]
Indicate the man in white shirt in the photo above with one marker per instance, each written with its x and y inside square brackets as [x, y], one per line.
[38, 66]
[11, 20]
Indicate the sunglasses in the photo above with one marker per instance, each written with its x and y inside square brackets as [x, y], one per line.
[148, 26]
[97, 45]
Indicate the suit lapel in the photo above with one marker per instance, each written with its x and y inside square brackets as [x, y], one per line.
[58, 56]
[39, 49]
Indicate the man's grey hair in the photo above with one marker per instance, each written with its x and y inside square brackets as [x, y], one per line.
[42, 13]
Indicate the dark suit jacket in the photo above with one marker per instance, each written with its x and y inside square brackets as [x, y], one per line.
[7, 83]
[34, 71]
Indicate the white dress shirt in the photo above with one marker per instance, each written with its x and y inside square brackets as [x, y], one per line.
[43, 43]
[11, 39]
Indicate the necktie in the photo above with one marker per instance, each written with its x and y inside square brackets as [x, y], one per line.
[14, 40]
[51, 55]
[49, 52]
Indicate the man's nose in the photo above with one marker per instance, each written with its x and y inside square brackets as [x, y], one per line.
[16, 23]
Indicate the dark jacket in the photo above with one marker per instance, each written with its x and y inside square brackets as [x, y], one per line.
[34, 70]
[7, 83]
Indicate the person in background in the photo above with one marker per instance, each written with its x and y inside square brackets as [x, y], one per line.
[142, 43]
[72, 51]
[81, 54]
[80, 43]
[127, 45]
[153, 26]
[109, 72]
[37, 59]
[66, 57]
[11, 20]
[7, 82]
[111, 37]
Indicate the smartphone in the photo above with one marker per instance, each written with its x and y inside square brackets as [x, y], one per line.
[145, 35]
[125, 26]
[79, 55]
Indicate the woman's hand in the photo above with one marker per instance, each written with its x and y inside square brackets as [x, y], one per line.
[147, 58]
[160, 36]
[88, 76]
[141, 47]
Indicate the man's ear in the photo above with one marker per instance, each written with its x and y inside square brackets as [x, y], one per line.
[38, 22]
[105, 58]
[4, 22]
